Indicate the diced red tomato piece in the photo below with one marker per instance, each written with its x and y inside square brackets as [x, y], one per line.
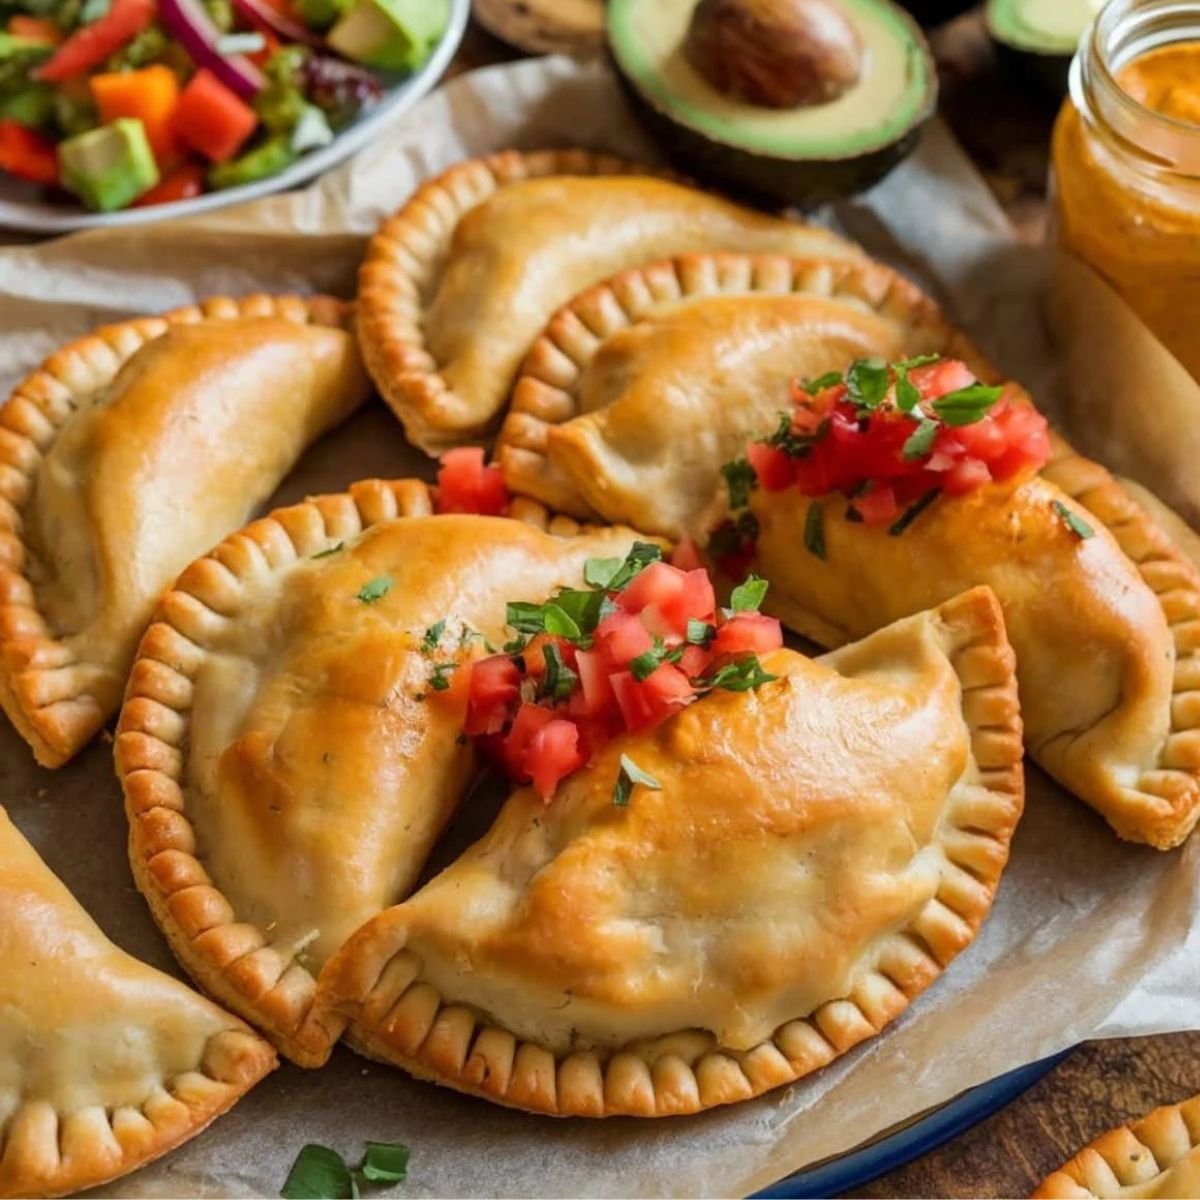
[633, 701]
[552, 755]
[695, 661]
[985, 440]
[534, 653]
[965, 476]
[940, 378]
[666, 598]
[659, 583]
[667, 687]
[748, 633]
[529, 719]
[622, 637]
[594, 732]
[596, 693]
[685, 556]
[699, 600]
[182, 184]
[466, 485]
[27, 154]
[211, 119]
[878, 506]
[91, 44]
[494, 693]
[773, 468]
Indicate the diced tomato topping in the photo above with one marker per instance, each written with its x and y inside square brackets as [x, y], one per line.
[529, 719]
[659, 584]
[694, 661]
[535, 657]
[211, 119]
[553, 753]
[651, 701]
[965, 476]
[495, 692]
[685, 556]
[466, 485]
[622, 636]
[940, 378]
[667, 598]
[27, 154]
[596, 693]
[182, 184]
[748, 633]
[91, 44]
[878, 506]
[774, 469]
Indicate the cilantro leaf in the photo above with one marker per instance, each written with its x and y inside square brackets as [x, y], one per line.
[628, 775]
[967, 405]
[439, 680]
[586, 609]
[645, 664]
[918, 360]
[748, 596]
[317, 1174]
[600, 572]
[821, 382]
[375, 589]
[1073, 521]
[558, 681]
[913, 511]
[700, 633]
[385, 1162]
[920, 441]
[433, 637]
[741, 481]
[907, 396]
[740, 675]
[525, 617]
[814, 530]
[555, 619]
[867, 382]
[332, 550]
[640, 556]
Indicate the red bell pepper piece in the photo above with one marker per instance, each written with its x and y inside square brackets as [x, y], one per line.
[27, 154]
[92, 44]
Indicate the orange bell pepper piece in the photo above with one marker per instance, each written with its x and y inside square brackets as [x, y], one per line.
[151, 95]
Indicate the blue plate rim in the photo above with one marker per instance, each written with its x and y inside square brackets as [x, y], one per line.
[960, 1114]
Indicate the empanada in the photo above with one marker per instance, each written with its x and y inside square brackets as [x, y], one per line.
[1158, 1156]
[821, 847]
[285, 774]
[457, 285]
[126, 455]
[1103, 629]
[641, 388]
[105, 1063]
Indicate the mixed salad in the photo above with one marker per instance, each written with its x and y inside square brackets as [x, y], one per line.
[138, 102]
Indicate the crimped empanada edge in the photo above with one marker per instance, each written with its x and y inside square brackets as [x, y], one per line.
[57, 701]
[1131, 1155]
[547, 388]
[399, 1018]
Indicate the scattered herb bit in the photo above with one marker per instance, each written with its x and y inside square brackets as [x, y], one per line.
[913, 511]
[828, 380]
[600, 572]
[439, 680]
[814, 530]
[748, 596]
[629, 775]
[741, 481]
[385, 1163]
[516, 645]
[793, 444]
[433, 637]
[867, 383]
[738, 676]
[376, 589]
[918, 360]
[640, 556]
[320, 1173]
[332, 550]
[469, 635]
[920, 441]
[1073, 521]
[700, 633]
[967, 405]
[644, 665]
[558, 681]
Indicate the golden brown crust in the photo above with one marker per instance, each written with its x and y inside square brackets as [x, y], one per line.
[230, 959]
[405, 255]
[46, 691]
[399, 1017]
[1173, 787]
[1158, 1155]
[547, 389]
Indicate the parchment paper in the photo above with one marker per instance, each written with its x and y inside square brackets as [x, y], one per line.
[1089, 937]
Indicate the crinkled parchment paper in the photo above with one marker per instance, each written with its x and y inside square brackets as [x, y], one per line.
[1088, 938]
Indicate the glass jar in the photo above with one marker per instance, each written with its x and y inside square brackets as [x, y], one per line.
[1126, 175]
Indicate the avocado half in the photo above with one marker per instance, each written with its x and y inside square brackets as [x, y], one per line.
[1041, 35]
[800, 156]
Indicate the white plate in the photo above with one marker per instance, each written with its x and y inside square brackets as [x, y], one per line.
[20, 210]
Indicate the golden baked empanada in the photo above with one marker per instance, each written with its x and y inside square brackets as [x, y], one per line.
[1156, 1157]
[285, 775]
[105, 1063]
[818, 850]
[457, 285]
[643, 387]
[126, 455]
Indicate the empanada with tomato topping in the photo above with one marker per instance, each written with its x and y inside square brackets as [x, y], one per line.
[457, 285]
[123, 457]
[105, 1063]
[286, 768]
[813, 854]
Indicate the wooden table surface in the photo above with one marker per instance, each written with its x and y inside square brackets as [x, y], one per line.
[1004, 123]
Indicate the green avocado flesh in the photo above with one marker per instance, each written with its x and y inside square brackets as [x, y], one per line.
[1051, 27]
[893, 96]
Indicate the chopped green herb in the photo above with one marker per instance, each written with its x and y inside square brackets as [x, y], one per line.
[385, 1163]
[376, 589]
[814, 530]
[748, 596]
[317, 1174]
[741, 481]
[469, 635]
[586, 609]
[967, 405]
[332, 550]
[919, 360]
[828, 380]
[433, 637]
[913, 511]
[599, 572]
[1073, 521]
[644, 665]
[629, 775]
[793, 444]
[440, 679]
[740, 675]
[700, 633]
[516, 645]
[558, 621]
[867, 382]
[558, 681]
[907, 396]
[640, 556]
[920, 441]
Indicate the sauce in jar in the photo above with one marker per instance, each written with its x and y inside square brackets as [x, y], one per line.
[1127, 164]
